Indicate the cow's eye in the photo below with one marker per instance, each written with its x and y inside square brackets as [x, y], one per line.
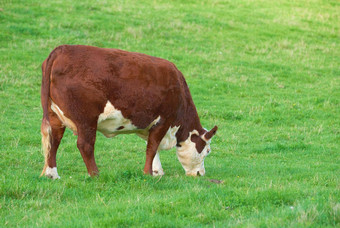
[199, 143]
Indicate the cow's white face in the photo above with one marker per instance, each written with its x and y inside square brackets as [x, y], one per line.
[191, 152]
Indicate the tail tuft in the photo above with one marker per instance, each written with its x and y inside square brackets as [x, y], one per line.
[46, 141]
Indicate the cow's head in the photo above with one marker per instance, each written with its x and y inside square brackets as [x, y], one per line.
[191, 152]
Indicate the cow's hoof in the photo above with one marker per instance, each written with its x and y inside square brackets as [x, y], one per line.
[158, 172]
[52, 173]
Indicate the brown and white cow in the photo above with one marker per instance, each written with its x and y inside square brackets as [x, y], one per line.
[89, 89]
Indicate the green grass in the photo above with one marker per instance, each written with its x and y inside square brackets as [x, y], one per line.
[266, 72]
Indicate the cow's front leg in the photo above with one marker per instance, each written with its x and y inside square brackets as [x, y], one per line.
[156, 135]
[85, 143]
[157, 166]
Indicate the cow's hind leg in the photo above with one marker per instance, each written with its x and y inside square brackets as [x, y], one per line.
[157, 166]
[52, 132]
[156, 135]
[85, 143]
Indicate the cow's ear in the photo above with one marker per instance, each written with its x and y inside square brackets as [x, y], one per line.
[210, 133]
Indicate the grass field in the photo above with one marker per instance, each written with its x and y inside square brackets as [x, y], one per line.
[266, 72]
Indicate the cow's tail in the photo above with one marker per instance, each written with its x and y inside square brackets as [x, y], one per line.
[45, 141]
[46, 130]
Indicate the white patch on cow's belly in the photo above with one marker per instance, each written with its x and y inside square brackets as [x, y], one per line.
[169, 140]
[66, 121]
[112, 122]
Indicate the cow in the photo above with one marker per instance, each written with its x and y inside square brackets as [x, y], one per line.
[89, 89]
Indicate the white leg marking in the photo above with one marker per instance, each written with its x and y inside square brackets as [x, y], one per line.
[52, 173]
[157, 166]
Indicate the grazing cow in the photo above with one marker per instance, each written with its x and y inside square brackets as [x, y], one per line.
[89, 89]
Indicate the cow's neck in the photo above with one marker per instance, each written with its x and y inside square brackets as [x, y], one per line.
[189, 122]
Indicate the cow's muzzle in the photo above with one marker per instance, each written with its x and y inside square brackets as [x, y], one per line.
[197, 173]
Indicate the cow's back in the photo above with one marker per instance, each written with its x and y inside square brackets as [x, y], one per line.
[142, 87]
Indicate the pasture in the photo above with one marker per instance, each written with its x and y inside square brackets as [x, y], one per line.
[266, 72]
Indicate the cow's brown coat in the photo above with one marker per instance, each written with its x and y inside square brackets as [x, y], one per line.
[82, 79]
